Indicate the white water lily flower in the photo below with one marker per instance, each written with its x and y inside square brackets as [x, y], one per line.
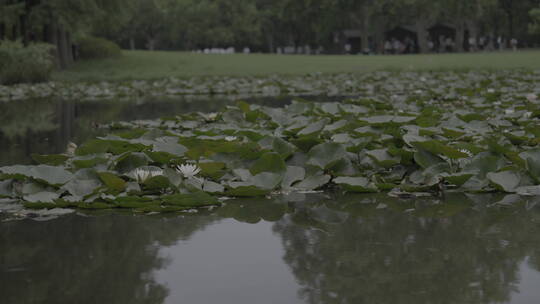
[188, 171]
[527, 115]
[532, 97]
[142, 175]
[211, 116]
[469, 153]
[71, 148]
[491, 90]
[231, 138]
[509, 111]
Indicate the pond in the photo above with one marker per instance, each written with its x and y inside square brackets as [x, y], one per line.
[291, 249]
[45, 126]
[288, 248]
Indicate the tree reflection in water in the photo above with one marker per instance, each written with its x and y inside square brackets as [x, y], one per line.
[45, 126]
[357, 250]
[103, 259]
[341, 249]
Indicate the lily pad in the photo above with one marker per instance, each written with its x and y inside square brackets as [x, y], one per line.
[506, 180]
[55, 176]
[324, 155]
[356, 184]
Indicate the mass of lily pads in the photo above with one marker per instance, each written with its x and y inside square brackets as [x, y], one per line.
[411, 138]
[370, 84]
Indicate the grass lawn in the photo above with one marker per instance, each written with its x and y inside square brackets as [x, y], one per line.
[155, 65]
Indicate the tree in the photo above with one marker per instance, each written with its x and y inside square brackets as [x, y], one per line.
[534, 26]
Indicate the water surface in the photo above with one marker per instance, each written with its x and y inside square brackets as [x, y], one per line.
[290, 249]
[45, 126]
[321, 248]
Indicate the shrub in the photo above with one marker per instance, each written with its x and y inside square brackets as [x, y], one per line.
[94, 48]
[18, 64]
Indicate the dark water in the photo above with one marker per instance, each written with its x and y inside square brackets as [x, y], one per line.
[45, 126]
[299, 249]
[291, 249]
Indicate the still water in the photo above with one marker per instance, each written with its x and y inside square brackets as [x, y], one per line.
[45, 126]
[317, 248]
[291, 249]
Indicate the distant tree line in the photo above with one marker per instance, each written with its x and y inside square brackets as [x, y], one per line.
[262, 25]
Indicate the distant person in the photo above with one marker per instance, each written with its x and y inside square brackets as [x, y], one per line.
[501, 42]
[449, 43]
[482, 43]
[348, 48]
[396, 46]
[490, 46]
[431, 45]
[472, 44]
[514, 44]
[387, 47]
[408, 45]
[442, 43]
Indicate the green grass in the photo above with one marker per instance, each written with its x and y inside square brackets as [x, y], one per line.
[156, 65]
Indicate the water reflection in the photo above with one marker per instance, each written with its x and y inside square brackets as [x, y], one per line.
[74, 259]
[45, 126]
[348, 251]
[340, 249]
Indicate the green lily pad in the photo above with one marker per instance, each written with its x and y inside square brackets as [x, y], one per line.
[197, 199]
[356, 184]
[55, 176]
[53, 160]
[313, 182]
[112, 181]
[436, 147]
[383, 158]
[42, 197]
[324, 155]
[269, 162]
[245, 190]
[532, 159]
[506, 181]
[292, 175]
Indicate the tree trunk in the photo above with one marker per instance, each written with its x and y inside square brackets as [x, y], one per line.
[422, 35]
[511, 25]
[365, 30]
[14, 32]
[473, 29]
[270, 42]
[132, 43]
[151, 43]
[69, 48]
[378, 34]
[23, 30]
[460, 36]
[2, 31]
[51, 32]
[62, 48]
[45, 33]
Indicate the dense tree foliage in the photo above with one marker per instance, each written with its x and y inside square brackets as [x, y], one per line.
[262, 25]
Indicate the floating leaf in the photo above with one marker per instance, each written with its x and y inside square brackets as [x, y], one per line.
[41, 197]
[53, 160]
[197, 199]
[269, 162]
[292, 175]
[506, 180]
[112, 181]
[55, 176]
[313, 182]
[356, 184]
[436, 147]
[324, 155]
